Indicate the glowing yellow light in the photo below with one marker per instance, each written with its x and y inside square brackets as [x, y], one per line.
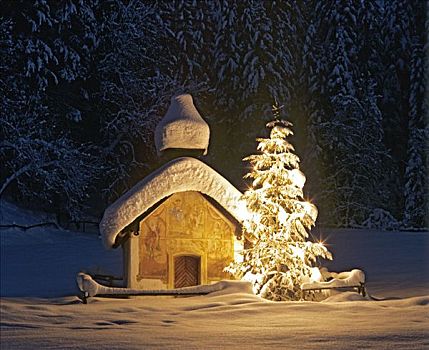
[277, 222]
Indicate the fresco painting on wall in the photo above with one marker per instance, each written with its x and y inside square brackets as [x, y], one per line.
[185, 224]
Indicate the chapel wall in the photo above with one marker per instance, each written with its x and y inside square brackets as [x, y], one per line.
[185, 224]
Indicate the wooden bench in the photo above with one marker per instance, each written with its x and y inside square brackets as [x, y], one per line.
[347, 280]
[360, 288]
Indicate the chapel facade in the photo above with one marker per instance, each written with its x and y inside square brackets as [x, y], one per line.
[180, 225]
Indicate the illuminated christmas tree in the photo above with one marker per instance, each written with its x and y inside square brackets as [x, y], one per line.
[279, 257]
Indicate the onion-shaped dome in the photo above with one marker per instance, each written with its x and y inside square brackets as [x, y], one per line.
[182, 127]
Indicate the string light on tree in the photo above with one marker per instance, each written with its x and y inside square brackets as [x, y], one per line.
[280, 258]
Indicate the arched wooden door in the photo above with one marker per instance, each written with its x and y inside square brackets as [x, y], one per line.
[186, 271]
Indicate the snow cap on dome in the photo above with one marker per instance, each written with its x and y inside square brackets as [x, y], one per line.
[182, 127]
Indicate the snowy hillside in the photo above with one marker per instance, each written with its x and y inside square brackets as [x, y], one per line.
[43, 263]
[396, 264]
[13, 214]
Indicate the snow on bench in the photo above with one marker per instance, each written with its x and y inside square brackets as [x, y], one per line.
[354, 279]
[90, 288]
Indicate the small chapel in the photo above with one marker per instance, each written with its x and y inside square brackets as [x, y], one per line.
[180, 225]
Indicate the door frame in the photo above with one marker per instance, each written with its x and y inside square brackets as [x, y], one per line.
[203, 267]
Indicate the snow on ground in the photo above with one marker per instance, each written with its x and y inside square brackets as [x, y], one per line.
[39, 308]
[43, 261]
[396, 264]
[12, 214]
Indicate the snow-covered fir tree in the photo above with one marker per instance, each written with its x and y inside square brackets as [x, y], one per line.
[58, 39]
[416, 191]
[256, 61]
[313, 85]
[190, 34]
[226, 52]
[344, 121]
[252, 59]
[396, 33]
[280, 257]
[135, 81]
[41, 163]
[101, 72]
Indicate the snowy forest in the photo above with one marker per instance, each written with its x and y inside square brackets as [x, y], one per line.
[83, 84]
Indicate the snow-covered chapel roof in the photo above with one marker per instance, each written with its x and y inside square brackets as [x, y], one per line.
[182, 127]
[178, 175]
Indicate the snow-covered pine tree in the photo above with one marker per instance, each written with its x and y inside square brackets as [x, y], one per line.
[136, 77]
[190, 33]
[280, 257]
[226, 75]
[41, 163]
[398, 24]
[416, 192]
[56, 39]
[226, 52]
[252, 59]
[255, 61]
[313, 83]
[344, 119]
